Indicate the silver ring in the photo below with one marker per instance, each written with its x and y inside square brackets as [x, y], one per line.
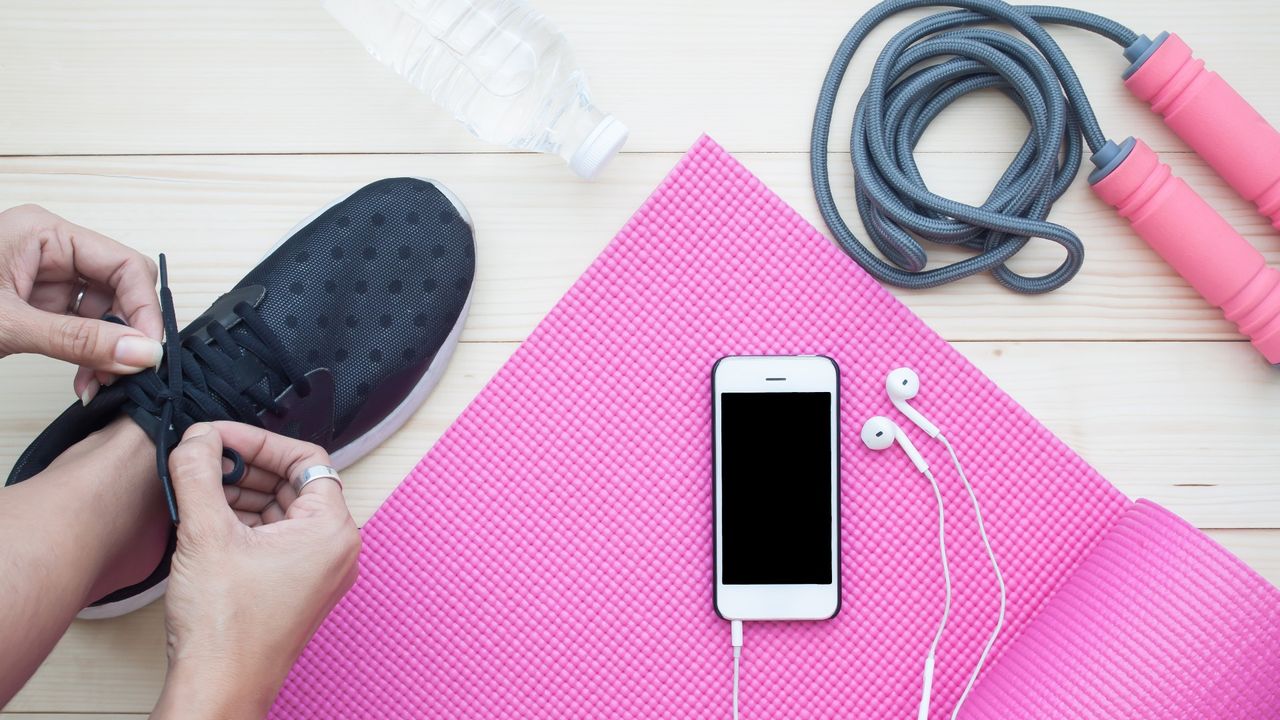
[81, 289]
[313, 473]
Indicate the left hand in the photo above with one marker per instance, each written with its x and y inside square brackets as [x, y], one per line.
[45, 261]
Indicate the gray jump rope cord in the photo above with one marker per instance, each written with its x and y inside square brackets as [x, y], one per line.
[899, 103]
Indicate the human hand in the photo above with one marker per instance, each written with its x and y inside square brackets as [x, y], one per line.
[44, 263]
[257, 568]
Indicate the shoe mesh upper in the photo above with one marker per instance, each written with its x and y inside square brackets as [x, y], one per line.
[371, 288]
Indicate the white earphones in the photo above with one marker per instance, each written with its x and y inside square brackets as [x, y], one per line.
[903, 384]
[879, 433]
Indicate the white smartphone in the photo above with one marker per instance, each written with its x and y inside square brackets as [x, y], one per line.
[777, 487]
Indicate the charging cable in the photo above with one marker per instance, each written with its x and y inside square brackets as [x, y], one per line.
[735, 637]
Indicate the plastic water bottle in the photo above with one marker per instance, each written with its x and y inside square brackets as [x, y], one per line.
[498, 66]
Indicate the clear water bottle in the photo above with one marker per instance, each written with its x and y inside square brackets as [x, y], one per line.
[498, 66]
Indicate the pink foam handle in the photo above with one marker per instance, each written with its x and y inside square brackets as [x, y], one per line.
[1198, 243]
[1211, 117]
[551, 556]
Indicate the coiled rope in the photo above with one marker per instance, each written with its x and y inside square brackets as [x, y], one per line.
[900, 101]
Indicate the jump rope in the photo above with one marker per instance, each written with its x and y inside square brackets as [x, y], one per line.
[936, 60]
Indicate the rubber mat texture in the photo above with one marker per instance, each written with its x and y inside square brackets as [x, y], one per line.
[551, 556]
[1156, 622]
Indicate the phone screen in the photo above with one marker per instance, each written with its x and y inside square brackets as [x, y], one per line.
[775, 455]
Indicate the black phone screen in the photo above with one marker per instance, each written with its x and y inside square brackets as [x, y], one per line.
[775, 469]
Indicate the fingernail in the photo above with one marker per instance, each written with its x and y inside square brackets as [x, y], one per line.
[138, 351]
[90, 392]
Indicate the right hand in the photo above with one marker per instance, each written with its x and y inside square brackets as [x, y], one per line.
[256, 570]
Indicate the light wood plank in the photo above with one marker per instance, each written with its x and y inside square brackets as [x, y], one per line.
[69, 716]
[1188, 425]
[1259, 548]
[538, 229]
[110, 666]
[155, 76]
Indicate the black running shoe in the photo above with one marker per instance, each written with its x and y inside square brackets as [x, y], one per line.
[335, 338]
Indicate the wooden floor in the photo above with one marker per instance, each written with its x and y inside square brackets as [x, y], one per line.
[206, 129]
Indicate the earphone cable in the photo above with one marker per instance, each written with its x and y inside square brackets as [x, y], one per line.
[946, 567]
[930, 661]
[986, 541]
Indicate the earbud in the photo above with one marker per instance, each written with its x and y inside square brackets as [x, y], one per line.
[879, 433]
[903, 384]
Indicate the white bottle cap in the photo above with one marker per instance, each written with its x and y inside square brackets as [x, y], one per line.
[602, 143]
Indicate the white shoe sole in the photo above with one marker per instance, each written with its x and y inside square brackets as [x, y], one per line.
[347, 455]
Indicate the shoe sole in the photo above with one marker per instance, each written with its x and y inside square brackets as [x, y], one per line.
[347, 455]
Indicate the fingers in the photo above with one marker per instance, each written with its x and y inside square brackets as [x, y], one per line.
[249, 519]
[96, 303]
[70, 252]
[261, 497]
[196, 467]
[330, 488]
[276, 454]
[270, 506]
[273, 457]
[86, 384]
[60, 297]
[82, 341]
[256, 478]
[244, 499]
[46, 260]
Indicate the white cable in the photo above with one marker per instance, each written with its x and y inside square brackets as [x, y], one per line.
[737, 654]
[926, 690]
[986, 541]
[735, 637]
[946, 568]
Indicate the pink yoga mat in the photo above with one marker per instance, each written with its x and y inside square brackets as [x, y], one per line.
[551, 556]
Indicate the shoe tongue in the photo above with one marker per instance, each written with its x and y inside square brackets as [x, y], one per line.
[248, 371]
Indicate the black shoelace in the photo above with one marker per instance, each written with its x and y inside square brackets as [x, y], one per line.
[202, 381]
